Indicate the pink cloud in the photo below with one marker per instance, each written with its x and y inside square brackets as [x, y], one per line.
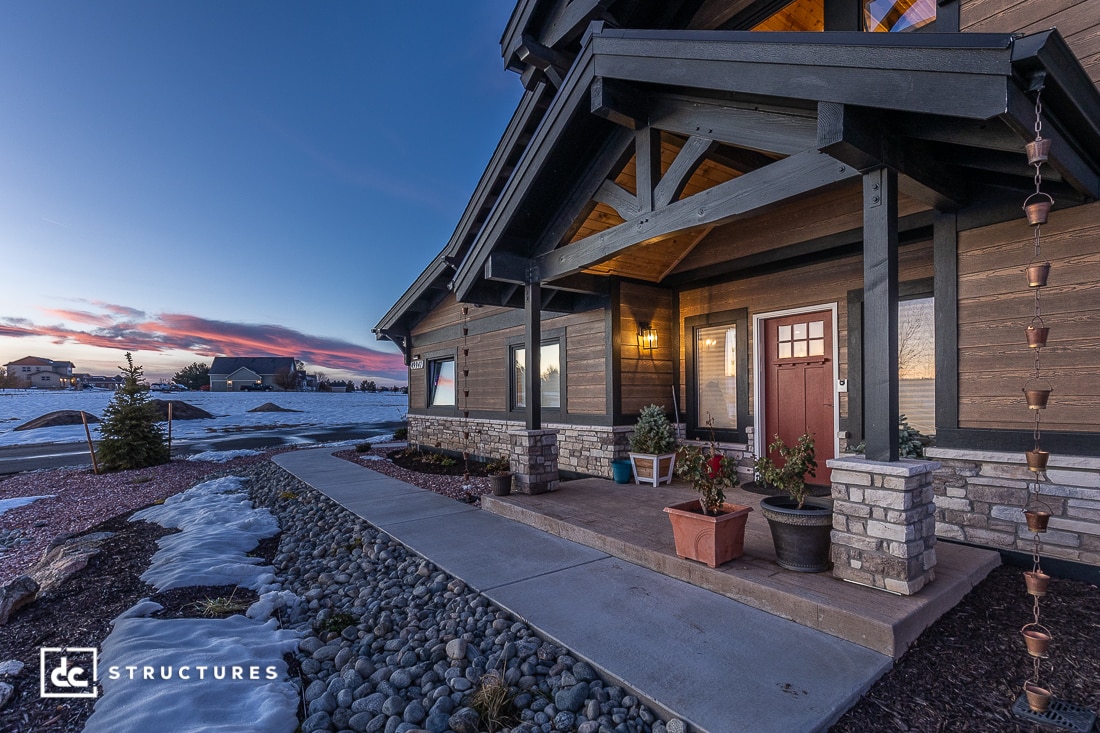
[121, 328]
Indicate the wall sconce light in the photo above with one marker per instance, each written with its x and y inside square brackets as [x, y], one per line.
[647, 337]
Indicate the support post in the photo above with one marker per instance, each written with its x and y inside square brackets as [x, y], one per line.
[880, 314]
[532, 368]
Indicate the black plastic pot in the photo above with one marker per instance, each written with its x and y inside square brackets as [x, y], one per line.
[501, 484]
[802, 537]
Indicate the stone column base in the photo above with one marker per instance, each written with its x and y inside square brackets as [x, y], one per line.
[534, 460]
[884, 523]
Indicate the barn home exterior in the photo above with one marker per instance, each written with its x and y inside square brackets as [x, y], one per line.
[784, 216]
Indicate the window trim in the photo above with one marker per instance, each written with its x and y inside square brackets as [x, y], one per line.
[549, 336]
[696, 426]
[433, 358]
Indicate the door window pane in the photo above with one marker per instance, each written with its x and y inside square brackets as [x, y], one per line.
[550, 364]
[442, 385]
[917, 363]
[716, 375]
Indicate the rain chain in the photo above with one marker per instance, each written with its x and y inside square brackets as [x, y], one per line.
[1037, 391]
[466, 399]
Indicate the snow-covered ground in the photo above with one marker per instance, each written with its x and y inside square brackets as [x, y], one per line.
[317, 410]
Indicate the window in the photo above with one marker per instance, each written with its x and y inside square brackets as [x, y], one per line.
[917, 363]
[441, 383]
[717, 346]
[716, 375]
[892, 16]
[550, 364]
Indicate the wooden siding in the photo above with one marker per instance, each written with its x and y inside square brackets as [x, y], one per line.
[646, 375]
[1077, 20]
[995, 307]
[814, 216]
[489, 379]
[817, 284]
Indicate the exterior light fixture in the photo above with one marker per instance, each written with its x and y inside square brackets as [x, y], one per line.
[647, 337]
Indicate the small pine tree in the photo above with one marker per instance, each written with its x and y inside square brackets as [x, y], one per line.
[129, 435]
[653, 433]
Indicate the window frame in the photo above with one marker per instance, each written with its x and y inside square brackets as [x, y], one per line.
[696, 424]
[430, 360]
[549, 336]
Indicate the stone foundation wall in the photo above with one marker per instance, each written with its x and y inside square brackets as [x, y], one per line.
[586, 449]
[980, 498]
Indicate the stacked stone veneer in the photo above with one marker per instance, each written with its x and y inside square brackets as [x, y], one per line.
[535, 460]
[884, 523]
[581, 448]
[980, 499]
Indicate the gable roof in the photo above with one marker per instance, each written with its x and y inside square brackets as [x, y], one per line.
[38, 361]
[257, 364]
[958, 106]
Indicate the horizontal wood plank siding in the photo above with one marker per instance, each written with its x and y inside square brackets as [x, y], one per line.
[1077, 20]
[818, 284]
[489, 379]
[995, 307]
[646, 375]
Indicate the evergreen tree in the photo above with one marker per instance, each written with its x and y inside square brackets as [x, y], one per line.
[129, 434]
[194, 376]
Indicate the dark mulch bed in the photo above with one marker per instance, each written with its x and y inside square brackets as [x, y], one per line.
[436, 463]
[965, 672]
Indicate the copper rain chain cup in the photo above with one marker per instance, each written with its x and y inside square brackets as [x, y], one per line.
[1037, 334]
[1037, 460]
[1037, 638]
[1038, 698]
[1037, 273]
[1038, 210]
[1038, 150]
[1037, 582]
[1037, 394]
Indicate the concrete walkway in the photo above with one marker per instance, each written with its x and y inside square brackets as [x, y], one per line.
[717, 664]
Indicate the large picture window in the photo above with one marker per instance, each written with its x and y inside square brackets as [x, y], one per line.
[550, 382]
[441, 383]
[917, 363]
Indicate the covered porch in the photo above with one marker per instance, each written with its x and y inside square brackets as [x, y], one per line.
[627, 521]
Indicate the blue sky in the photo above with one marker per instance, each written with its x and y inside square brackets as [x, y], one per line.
[187, 179]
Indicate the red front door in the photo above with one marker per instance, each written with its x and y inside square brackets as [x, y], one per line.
[798, 383]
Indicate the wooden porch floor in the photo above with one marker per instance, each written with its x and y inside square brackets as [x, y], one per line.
[627, 521]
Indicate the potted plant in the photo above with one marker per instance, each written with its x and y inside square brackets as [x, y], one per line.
[653, 447]
[801, 527]
[500, 476]
[708, 529]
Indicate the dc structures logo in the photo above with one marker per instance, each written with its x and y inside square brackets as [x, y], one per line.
[68, 672]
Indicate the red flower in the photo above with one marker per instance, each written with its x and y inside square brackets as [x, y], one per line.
[714, 467]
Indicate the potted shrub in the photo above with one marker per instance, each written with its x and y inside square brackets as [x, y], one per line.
[801, 527]
[708, 529]
[500, 476]
[653, 447]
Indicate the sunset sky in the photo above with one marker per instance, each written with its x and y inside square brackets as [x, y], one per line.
[234, 177]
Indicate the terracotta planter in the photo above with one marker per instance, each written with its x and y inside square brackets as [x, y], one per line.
[707, 539]
[802, 537]
[653, 469]
[1038, 698]
[501, 484]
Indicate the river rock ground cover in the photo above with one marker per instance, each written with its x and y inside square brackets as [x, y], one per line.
[393, 644]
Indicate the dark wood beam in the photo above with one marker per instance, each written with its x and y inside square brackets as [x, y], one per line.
[945, 241]
[532, 337]
[880, 314]
[507, 267]
[687, 161]
[744, 127]
[553, 64]
[618, 102]
[861, 138]
[647, 158]
[778, 182]
[618, 198]
[568, 21]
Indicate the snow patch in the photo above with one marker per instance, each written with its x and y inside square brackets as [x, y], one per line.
[222, 456]
[6, 504]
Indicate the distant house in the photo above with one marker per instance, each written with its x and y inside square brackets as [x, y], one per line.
[243, 374]
[42, 373]
[96, 381]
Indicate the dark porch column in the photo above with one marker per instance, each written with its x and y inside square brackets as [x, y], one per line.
[532, 328]
[880, 314]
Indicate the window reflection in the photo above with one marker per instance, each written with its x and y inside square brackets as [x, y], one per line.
[917, 363]
[550, 383]
[892, 16]
[716, 374]
[442, 383]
